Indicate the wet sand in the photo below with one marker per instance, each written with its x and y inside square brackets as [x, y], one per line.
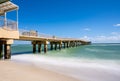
[12, 71]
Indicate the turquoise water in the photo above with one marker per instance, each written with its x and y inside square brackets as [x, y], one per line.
[96, 62]
[94, 51]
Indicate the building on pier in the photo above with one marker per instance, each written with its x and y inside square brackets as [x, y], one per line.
[8, 27]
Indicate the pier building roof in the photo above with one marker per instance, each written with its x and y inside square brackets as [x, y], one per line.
[6, 6]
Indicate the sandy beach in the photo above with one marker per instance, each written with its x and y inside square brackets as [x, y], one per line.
[12, 71]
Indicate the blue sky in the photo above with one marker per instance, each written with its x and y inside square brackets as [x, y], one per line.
[95, 20]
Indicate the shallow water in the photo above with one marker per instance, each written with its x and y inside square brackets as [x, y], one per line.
[96, 62]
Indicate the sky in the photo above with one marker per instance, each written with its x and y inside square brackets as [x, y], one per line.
[94, 20]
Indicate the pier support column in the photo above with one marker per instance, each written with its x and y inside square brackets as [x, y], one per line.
[34, 46]
[1, 51]
[67, 44]
[55, 45]
[7, 51]
[45, 46]
[39, 48]
[76, 43]
[71, 44]
[60, 45]
[64, 44]
[79, 43]
[51, 44]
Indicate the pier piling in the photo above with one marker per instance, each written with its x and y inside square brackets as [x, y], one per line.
[64, 45]
[7, 51]
[60, 45]
[34, 48]
[51, 44]
[1, 51]
[55, 45]
[45, 46]
[67, 44]
[39, 48]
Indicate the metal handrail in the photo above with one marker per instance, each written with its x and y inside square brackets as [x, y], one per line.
[10, 24]
[1, 22]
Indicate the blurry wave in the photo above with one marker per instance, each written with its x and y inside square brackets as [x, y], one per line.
[99, 50]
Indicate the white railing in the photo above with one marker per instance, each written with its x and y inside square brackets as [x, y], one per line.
[33, 33]
[28, 33]
[1, 22]
[8, 24]
[44, 35]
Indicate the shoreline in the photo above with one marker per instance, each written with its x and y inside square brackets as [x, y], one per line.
[83, 70]
[12, 71]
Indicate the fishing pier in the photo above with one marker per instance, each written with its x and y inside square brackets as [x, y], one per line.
[9, 32]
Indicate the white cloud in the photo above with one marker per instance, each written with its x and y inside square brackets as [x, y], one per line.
[114, 33]
[86, 38]
[87, 29]
[114, 37]
[117, 25]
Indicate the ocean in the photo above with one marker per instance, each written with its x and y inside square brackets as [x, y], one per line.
[95, 62]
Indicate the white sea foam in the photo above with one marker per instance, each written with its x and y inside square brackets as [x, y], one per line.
[93, 50]
[83, 69]
[99, 50]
